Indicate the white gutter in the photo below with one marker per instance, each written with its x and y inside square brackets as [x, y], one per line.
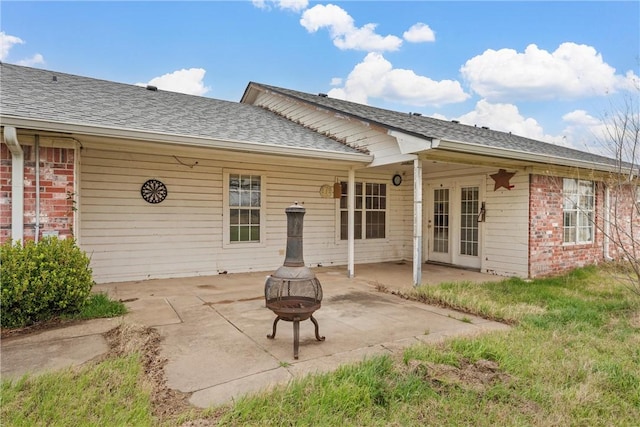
[178, 139]
[36, 148]
[472, 148]
[17, 183]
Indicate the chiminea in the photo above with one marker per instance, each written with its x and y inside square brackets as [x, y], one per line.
[293, 292]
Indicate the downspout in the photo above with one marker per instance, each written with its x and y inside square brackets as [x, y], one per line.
[351, 203]
[417, 222]
[37, 148]
[17, 183]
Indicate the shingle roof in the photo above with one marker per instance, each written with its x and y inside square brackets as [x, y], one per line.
[432, 128]
[31, 93]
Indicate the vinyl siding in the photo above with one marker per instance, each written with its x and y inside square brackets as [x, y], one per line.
[130, 239]
[506, 233]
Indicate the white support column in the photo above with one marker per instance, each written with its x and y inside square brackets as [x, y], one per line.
[17, 183]
[351, 204]
[417, 222]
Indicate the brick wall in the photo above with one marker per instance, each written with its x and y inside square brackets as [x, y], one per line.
[624, 230]
[547, 253]
[56, 187]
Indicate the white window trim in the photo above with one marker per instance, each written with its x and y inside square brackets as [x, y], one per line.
[226, 240]
[362, 240]
[593, 227]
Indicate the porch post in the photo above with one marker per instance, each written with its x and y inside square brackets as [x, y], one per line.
[351, 198]
[417, 222]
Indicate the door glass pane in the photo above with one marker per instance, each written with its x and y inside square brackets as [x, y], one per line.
[469, 210]
[441, 220]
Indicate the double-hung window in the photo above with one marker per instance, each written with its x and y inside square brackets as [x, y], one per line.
[244, 208]
[578, 209]
[370, 211]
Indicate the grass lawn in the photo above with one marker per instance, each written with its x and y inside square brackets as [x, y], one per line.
[572, 357]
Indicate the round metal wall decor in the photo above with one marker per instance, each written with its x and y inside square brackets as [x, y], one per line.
[153, 191]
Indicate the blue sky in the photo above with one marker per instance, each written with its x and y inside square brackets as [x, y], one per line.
[547, 70]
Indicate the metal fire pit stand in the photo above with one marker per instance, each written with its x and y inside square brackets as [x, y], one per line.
[293, 292]
[294, 314]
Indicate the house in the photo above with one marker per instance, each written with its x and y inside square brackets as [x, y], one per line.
[156, 184]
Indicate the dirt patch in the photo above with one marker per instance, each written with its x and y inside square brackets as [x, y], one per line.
[128, 339]
[475, 376]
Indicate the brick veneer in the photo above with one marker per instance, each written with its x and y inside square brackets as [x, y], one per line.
[56, 186]
[625, 221]
[547, 253]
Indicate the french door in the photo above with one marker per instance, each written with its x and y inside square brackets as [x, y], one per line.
[452, 227]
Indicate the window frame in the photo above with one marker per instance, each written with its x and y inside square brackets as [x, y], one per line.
[363, 210]
[226, 215]
[579, 210]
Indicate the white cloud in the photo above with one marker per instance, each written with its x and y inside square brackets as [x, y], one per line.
[6, 43]
[34, 60]
[630, 82]
[581, 130]
[375, 77]
[587, 132]
[344, 33]
[294, 5]
[187, 81]
[571, 71]
[336, 81]
[506, 118]
[419, 33]
[581, 118]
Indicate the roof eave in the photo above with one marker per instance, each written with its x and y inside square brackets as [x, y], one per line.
[463, 147]
[179, 139]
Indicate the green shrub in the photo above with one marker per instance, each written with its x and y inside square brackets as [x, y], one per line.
[42, 280]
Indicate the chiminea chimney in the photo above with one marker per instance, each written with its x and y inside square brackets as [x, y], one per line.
[293, 292]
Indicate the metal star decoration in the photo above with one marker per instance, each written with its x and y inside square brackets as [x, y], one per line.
[502, 179]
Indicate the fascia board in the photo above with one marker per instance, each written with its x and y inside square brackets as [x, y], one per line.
[409, 144]
[471, 148]
[177, 139]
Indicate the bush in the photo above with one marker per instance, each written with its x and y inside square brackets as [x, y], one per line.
[42, 280]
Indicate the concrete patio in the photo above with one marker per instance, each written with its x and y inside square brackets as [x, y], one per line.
[214, 328]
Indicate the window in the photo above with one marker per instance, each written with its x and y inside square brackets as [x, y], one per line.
[578, 208]
[244, 207]
[370, 211]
